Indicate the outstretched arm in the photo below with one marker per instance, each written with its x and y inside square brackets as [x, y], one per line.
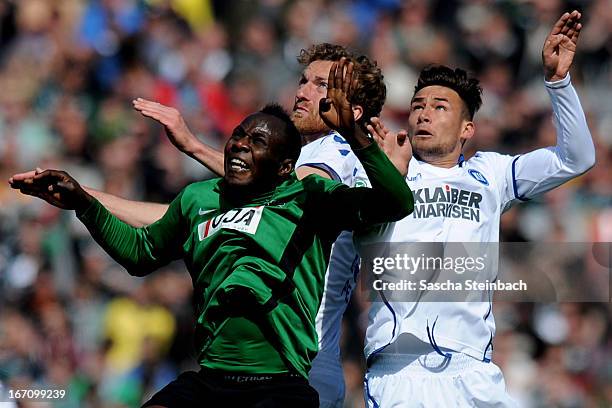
[139, 250]
[134, 213]
[180, 135]
[543, 169]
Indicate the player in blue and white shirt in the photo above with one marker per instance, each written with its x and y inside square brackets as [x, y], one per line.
[438, 354]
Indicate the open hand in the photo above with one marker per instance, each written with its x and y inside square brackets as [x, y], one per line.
[54, 186]
[172, 120]
[336, 110]
[396, 145]
[560, 46]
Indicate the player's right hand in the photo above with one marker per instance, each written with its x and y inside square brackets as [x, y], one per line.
[54, 186]
[172, 120]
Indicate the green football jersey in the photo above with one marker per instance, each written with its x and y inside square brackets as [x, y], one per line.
[257, 266]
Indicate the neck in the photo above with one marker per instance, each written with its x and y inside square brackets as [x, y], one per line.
[446, 161]
[309, 138]
[248, 193]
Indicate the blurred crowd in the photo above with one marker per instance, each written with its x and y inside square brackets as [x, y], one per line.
[72, 318]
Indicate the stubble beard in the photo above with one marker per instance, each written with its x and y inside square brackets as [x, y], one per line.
[309, 125]
[429, 152]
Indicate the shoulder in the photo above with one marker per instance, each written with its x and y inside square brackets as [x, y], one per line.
[201, 186]
[492, 160]
[489, 166]
[199, 193]
[331, 154]
[332, 143]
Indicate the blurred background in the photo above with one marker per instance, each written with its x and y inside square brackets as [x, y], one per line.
[72, 318]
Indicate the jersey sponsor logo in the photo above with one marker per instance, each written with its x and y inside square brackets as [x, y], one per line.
[447, 202]
[478, 176]
[239, 219]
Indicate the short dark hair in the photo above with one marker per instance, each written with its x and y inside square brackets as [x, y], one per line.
[293, 139]
[371, 90]
[468, 87]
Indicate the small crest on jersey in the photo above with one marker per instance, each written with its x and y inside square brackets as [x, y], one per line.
[239, 219]
[478, 177]
[360, 183]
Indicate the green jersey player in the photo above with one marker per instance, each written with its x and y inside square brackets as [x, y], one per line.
[256, 243]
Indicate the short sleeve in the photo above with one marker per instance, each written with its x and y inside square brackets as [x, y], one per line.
[331, 154]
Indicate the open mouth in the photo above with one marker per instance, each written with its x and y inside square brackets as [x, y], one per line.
[423, 133]
[300, 109]
[238, 165]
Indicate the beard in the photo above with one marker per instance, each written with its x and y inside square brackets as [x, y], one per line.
[426, 149]
[308, 124]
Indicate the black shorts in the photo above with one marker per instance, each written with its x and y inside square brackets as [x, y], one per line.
[209, 388]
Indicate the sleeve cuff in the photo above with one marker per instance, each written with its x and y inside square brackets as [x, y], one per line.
[369, 149]
[89, 212]
[562, 83]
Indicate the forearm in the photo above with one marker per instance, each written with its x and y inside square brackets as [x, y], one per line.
[209, 157]
[541, 170]
[390, 198]
[575, 147]
[127, 245]
[135, 213]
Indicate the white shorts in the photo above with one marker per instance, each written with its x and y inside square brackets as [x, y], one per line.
[327, 377]
[431, 380]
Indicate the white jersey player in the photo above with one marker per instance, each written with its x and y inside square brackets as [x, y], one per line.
[438, 354]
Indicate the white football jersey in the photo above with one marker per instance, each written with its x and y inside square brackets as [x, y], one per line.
[464, 204]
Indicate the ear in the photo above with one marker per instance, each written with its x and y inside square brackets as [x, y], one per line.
[285, 168]
[467, 131]
[357, 112]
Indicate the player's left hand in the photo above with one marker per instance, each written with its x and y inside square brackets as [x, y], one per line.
[560, 46]
[336, 110]
[54, 186]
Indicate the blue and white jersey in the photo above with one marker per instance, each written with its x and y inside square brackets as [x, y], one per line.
[464, 204]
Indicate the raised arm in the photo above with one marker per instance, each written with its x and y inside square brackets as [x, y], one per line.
[180, 135]
[139, 250]
[543, 169]
[389, 199]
